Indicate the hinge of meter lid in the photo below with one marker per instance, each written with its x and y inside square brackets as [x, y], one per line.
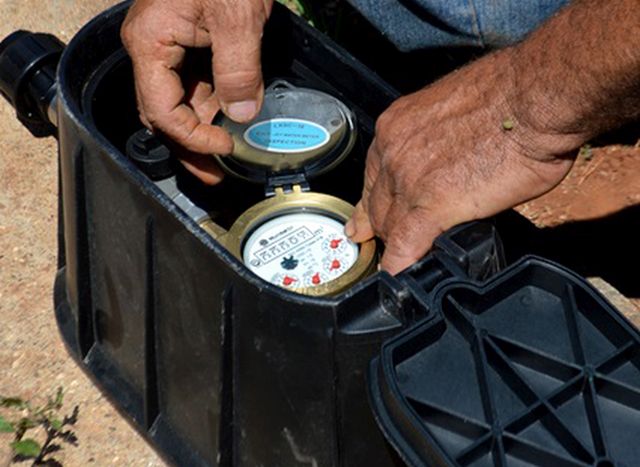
[286, 182]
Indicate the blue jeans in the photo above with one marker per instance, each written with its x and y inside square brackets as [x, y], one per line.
[420, 24]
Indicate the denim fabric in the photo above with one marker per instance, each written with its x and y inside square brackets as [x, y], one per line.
[420, 24]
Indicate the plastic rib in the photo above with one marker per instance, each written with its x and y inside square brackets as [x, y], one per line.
[474, 337]
[614, 361]
[536, 360]
[451, 421]
[550, 420]
[87, 331]
[570, 312]
[515, 447]
[595, 418]
[459, 317]
[498, 452]
[558, 411]
[460, 320]
[475, 450]
[151, 403]
[535, 454]
[617, 392]
[481, 365]
[566, 392]
[226, 438]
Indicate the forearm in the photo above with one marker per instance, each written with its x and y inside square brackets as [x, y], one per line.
[579, 74]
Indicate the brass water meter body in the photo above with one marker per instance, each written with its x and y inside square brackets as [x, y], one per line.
[295, 237]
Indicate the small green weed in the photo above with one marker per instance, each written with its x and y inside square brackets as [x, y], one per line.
[586, 152]
[27, 419]
[327, 16]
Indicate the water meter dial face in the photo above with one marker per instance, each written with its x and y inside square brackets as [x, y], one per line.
[297, 250]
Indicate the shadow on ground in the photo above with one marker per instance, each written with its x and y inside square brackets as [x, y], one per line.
[607, 247]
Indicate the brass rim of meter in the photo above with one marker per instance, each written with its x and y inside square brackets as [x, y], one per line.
[296, 202]
[300, 133]
[282, 161]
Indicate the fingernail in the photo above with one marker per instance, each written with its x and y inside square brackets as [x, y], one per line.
[242, 111]
[350, 228]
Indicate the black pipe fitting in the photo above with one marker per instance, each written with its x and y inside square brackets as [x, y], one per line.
[28, 63]
[150, 155]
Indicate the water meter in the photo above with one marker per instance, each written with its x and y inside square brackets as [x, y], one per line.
[295, 237]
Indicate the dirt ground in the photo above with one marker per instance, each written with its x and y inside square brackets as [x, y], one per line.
[33, 361]
[591, 221]
[603, 180]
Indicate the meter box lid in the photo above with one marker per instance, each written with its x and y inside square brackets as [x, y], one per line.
[298, 131]
[533, 367]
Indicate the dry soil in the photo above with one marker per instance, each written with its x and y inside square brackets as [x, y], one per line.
[33, 360]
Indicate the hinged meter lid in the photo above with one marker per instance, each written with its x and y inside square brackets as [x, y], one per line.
[298, 131]
[533, 367]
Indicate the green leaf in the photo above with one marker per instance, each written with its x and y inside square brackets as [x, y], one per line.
[12, 402]
[6, 426]
[300, 8]
[55, 423]
[26, 448]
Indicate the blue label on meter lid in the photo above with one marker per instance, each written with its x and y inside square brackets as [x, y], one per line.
[288, 135]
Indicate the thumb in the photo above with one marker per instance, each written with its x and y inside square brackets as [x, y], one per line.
[359, 229]
[237, 73]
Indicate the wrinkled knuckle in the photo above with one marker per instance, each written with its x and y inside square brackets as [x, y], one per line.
[386, 137]
[240, 82]
[127, 35]
[141, 31]
[155, 119]
[184, 132]
[382, 144]
[239, 78]
[177, 128]
[382, 125]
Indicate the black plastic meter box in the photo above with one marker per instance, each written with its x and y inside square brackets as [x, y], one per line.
[460, 360]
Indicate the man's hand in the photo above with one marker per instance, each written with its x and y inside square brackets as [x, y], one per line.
[156, 34]
[498, 132]
[447, 154]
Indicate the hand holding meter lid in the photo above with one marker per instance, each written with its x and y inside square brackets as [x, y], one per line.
[295, 238]
[298, 130]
